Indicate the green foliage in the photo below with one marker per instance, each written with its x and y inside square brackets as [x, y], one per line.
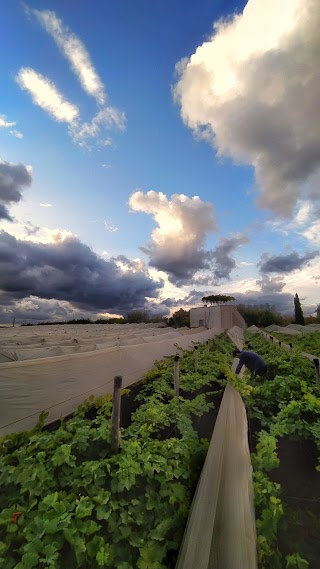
[306, 342]
[217, 299]
[296, 562]
[286, 402]
[261, 316]
[180, 319]
[67, 501]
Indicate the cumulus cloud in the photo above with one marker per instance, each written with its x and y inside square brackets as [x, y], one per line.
[34, 310]
[224, 263]
[14, 178]
[183, 223]
[68, 270]
[75, 52]
[253, 90]
[46, 95]
[285, 263]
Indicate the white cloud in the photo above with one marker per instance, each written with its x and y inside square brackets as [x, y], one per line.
[306, 282]
[183, 223]
[253, 91]
[110, 226]
[16, 133]
[45, 205]
[27, 231]
[45, 94]
[312, 233]
[75, 52]
[4, 123]
[106, 118]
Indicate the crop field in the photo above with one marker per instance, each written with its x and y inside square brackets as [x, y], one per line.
[67, 501]
[284, 415]
[309, 343]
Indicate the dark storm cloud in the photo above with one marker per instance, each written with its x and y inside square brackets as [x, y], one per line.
[280, 301]
[180, 271]
[70, 271]
[216, 264]
[224, 263]
[285, 263]
[4, 213]
[13, 179]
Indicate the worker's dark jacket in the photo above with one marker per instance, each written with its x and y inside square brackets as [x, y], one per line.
[252, 361]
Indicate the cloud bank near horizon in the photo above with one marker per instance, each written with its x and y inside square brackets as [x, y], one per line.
[68, 270]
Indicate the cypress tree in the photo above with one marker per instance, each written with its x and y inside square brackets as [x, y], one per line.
[298, 314]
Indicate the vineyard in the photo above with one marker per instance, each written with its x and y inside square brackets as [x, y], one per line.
[309, 343]
[284, 408]
[68, 501]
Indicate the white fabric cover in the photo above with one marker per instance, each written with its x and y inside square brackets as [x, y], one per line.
[220, 532]
[59, 384]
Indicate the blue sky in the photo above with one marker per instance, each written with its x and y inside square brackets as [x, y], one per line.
[152, 153]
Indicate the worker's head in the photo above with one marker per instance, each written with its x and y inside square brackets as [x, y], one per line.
[236, 353]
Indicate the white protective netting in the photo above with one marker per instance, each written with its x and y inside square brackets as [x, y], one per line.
[221, 532]
[59, 384]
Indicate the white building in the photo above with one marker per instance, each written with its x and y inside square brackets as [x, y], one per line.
[218, 316]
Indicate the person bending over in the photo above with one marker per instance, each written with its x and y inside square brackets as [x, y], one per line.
[252, 361]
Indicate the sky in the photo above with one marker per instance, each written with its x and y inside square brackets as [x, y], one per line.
[152, 153]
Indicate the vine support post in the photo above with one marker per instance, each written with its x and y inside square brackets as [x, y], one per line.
[279, 343]
[207, 345]
[271, 339]
[316, 365]
[212, 343]
[290, 346]
[176, 375]
[196, 359]
[115, 419]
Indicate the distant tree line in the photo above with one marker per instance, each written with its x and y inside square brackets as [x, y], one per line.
[217, 299]
[134, 317]
[261, 315]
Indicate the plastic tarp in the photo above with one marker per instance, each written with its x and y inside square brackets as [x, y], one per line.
[59, 384]
[221, 532]
[236, 335]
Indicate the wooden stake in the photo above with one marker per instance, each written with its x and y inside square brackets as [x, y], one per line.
[316, 365]
[207, 345]
[196, 359]
[290, 346]
[176, 375]
[116, 405]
